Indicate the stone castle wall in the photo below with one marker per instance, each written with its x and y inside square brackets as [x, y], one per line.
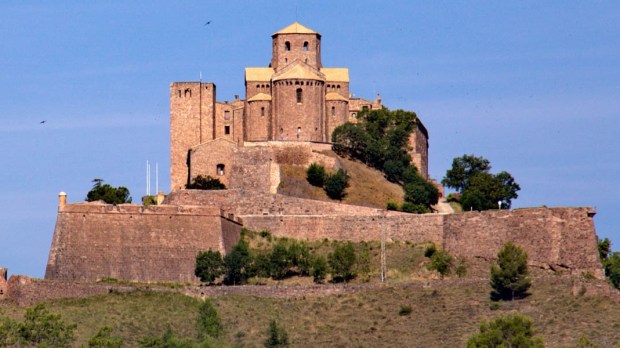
[131, 242]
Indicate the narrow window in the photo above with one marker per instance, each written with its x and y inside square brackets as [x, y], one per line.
[306, 60]
[227, 130]
[298, 132]
[285, 60]
[354, 115]
[220, 169]
[333, 111]
[262, 111]
[287, 46]
[281, 133]
[299, 96]
[227, 116]
[188, 93]
[306, 46]
[179, 93]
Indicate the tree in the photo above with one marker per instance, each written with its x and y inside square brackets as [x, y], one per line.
[107, 193]
[480, 190]
[277, 336]
[44, 329]
[509, 277]
[206, 183]
[166, 340]
[336, 184]
[208, 323]
[319, 269]
[104, 339]
[315, 174]
[513, 330]
[209, 265]
[441, 261]
[279, 261]
[236, 263]
[342, 261]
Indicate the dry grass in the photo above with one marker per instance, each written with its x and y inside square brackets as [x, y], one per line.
[443, 315]
[367, 186]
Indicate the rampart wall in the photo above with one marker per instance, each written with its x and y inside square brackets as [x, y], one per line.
[132, 242]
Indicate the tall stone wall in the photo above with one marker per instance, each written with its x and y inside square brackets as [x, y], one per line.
[553, 237]
[131, 242]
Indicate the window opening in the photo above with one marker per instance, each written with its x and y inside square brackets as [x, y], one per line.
[299, 96]
[306, 46]
[227, 115]
[287, 46]
[227, 130]
[333, 111]
[220, 169]
[262, 111]
[298, 132]
[188, 92]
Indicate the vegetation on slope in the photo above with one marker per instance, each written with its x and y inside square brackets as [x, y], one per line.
[444, 314]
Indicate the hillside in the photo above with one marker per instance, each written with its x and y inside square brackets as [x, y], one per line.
[444, 314]
[367, 186]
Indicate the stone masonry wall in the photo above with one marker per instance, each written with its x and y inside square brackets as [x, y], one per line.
[556, 237]
[131, 242]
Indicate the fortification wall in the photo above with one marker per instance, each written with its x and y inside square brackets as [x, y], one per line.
[239, 203]
[553, 237]
[131, 242]
[25, 291]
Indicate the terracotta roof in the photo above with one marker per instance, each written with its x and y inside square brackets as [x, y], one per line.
[260, 97]
[258, 74]
[336, 74]
[335, 96]
[295, 28]
[299, 71]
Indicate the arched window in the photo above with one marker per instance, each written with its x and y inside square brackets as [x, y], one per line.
[220, 169]
[188, 93]
[298, 132]
[262, 111]
[333, 111]
[306, 46]
[287, 46]
[299, 96]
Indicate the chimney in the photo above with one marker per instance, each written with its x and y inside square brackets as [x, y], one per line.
[3, 273]
[62, 200]
[236, 97]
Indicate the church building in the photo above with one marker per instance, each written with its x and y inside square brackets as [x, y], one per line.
[294, 99]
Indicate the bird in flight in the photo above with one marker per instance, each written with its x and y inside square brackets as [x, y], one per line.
[208, 22]
[42, 121]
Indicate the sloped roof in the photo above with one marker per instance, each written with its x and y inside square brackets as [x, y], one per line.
[295, 28]
[335, 96]
[260, 97]
[336, 74]
[258, 74]
[299, 71]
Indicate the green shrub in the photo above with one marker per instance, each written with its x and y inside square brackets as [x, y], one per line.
[514, 330]
[509, 277]
[430, 250]
[104, 339]
[107, 193]
[316, 175]
[209, 265]
[409, 207]
[276, 336]
[342, 261]
[441, 262]
[206, 183]
[208, 323]
[461, 268]
[319, 268]
[336, 184]
[405, 310]
[392, 205]
[43, 329]
[236, 263]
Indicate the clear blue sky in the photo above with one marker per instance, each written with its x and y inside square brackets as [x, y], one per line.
[532, 86]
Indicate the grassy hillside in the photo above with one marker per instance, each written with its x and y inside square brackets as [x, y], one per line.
[443, 314]
[368, 186]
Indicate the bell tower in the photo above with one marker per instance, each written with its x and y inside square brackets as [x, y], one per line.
[296, 43]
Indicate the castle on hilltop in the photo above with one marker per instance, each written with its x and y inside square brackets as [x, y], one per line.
[295, 99]
[286, 120]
